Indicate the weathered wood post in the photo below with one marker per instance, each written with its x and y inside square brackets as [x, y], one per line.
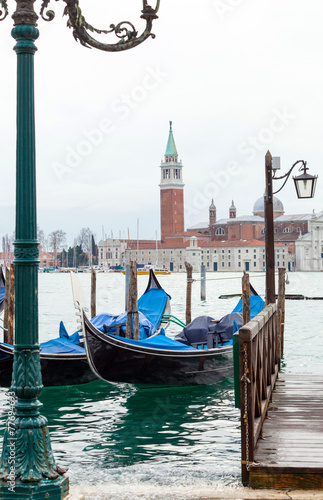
[132, 309]
[203, 282]
[189, 270]
[281, 312]
[245, 299]
[93, 293]
[127, 276]
[6, 306]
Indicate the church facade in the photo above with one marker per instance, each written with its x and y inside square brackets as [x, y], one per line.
[236, 243]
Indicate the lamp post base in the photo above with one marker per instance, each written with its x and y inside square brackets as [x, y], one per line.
[45, 489]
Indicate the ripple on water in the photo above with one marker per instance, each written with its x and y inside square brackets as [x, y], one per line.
[178, 439]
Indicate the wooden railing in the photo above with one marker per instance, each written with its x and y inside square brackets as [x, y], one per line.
[259, 361]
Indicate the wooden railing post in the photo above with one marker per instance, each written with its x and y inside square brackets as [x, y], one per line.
[189, 270]
[246, 402]
[258, 373]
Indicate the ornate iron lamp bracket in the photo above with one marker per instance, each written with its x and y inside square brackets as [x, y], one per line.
[287, 175]
[125, 31]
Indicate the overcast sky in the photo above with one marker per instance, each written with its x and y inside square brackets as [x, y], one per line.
[236, 77]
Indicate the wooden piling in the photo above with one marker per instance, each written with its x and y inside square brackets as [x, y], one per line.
[189, 270]
[132, 309]
[281, 308]
[93, 293]
[127, 277]
[245, 299]
[203, 282]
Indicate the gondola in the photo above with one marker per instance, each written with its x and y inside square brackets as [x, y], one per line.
[64, 360]
[201, 354]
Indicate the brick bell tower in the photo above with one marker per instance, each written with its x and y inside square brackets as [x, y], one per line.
[171, 191]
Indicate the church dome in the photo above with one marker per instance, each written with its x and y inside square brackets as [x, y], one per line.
[259, 206]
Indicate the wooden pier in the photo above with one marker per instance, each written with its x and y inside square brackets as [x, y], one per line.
[281, 414]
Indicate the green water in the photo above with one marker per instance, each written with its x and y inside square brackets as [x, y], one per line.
[159, 433]
[122, 439]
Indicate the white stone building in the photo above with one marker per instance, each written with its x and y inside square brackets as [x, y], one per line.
[111, 252]
[309, 246]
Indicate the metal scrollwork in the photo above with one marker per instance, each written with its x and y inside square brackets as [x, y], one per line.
[4, 12]
[125, 31]
[49, 14]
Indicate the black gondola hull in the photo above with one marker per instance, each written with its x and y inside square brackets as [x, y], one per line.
[114, 360]
[57, 369]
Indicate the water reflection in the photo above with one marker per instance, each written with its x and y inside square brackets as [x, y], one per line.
[114, 426]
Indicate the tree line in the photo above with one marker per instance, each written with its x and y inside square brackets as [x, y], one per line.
[84, 252]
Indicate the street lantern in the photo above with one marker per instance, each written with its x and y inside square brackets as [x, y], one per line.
[305, 183]
[27, 465]
[305, 187]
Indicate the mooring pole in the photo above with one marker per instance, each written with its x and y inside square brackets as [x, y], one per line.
[93, 293]
[245, 299]
[203, 282]
[189, 270]
[281, 309]
[132, 310]
[127, 277]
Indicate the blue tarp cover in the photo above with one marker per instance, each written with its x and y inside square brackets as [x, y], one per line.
[256, 306]
[146, 329]
[197, 331]
[158, 342]
[152, 305]
[61, 346]
[2, 292]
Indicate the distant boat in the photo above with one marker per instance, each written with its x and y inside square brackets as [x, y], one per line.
[146, 270]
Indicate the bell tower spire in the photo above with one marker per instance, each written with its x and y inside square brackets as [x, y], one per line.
[171, 190]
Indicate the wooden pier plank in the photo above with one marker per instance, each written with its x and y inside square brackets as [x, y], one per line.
[290, 452]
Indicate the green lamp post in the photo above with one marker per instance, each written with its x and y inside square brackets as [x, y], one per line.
[27, 466]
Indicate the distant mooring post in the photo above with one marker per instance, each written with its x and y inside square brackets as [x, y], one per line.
[203, 282]
[93, 293]
[132, 309]
[35, 473]
[281, 309]
[189, 281]
[245, 299]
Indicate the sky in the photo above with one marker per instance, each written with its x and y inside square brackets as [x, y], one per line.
[236, 77]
